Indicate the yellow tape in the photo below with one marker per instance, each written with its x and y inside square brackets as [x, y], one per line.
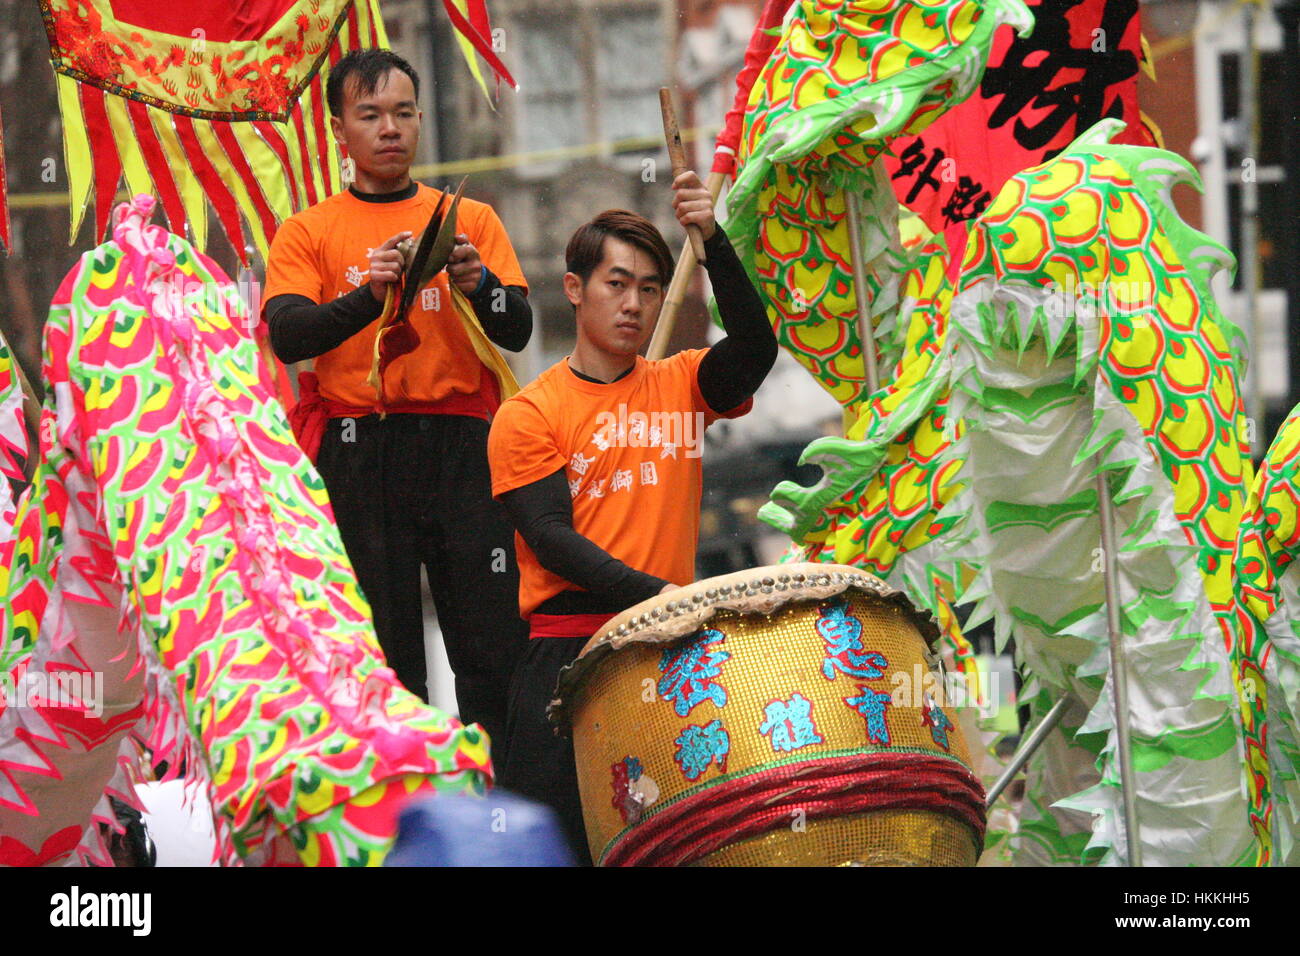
[447, 169]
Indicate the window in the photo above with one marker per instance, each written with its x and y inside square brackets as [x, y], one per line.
[1275, 106]
[551, 110]
[630, 69]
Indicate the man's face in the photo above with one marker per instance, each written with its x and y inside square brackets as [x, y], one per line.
[617, 307]
[381, 129]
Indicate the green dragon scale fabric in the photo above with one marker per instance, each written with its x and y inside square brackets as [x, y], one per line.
[1069, 328]
[1268, 543]
[177, 545]
[1087, 339]
[845, 80]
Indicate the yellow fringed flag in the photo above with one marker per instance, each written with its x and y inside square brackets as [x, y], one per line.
[212, 102]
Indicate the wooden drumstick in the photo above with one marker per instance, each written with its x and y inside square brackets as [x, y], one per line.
[677, 156]
[676, 293]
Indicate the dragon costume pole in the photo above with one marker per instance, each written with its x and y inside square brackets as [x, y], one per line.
[865, 329]
[1118, 672]
[1249, 222]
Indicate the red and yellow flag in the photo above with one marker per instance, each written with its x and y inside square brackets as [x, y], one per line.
[211, 101]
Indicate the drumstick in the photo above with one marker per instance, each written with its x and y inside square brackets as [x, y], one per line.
[676, 293]
[677, 156]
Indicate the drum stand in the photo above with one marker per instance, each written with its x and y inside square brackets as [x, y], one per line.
[1119, 691]
[1027, 750]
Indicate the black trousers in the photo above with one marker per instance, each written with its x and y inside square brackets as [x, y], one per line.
[412, 491]
[540, 765]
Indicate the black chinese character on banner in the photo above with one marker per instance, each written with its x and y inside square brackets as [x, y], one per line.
[967, 201]
[1028, 73]
[909, 160]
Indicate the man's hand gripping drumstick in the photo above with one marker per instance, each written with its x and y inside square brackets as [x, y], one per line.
[693, 203]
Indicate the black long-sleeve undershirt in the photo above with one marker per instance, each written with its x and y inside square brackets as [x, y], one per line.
[300, 329]
[543, 514]
[735, 367]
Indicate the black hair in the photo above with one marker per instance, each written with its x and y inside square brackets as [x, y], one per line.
[586, 249]
[367, 66]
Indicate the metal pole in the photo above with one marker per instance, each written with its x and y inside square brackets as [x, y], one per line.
[1118, 671]
[866, 332]
[1027, 750]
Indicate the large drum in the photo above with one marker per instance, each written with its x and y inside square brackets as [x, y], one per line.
[791, 715]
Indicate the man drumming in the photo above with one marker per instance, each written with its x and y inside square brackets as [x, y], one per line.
[598, 462]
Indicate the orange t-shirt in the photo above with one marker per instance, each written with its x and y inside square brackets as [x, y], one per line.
[631, 452]
[324, 252]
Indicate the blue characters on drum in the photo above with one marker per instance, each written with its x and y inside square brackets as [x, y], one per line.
[789, 724]
[698, 746]
[842, 633]
[871, 705]
[689, 672]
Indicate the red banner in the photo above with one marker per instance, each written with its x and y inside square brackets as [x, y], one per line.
[1038, 93]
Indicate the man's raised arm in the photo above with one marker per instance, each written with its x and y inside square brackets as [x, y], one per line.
[735, 367]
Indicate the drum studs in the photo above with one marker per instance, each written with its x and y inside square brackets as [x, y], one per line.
[711, 593]
[768, 582]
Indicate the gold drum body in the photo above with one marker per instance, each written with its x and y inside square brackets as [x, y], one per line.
[791, 715]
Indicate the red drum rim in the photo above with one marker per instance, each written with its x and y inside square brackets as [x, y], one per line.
[759, 801]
